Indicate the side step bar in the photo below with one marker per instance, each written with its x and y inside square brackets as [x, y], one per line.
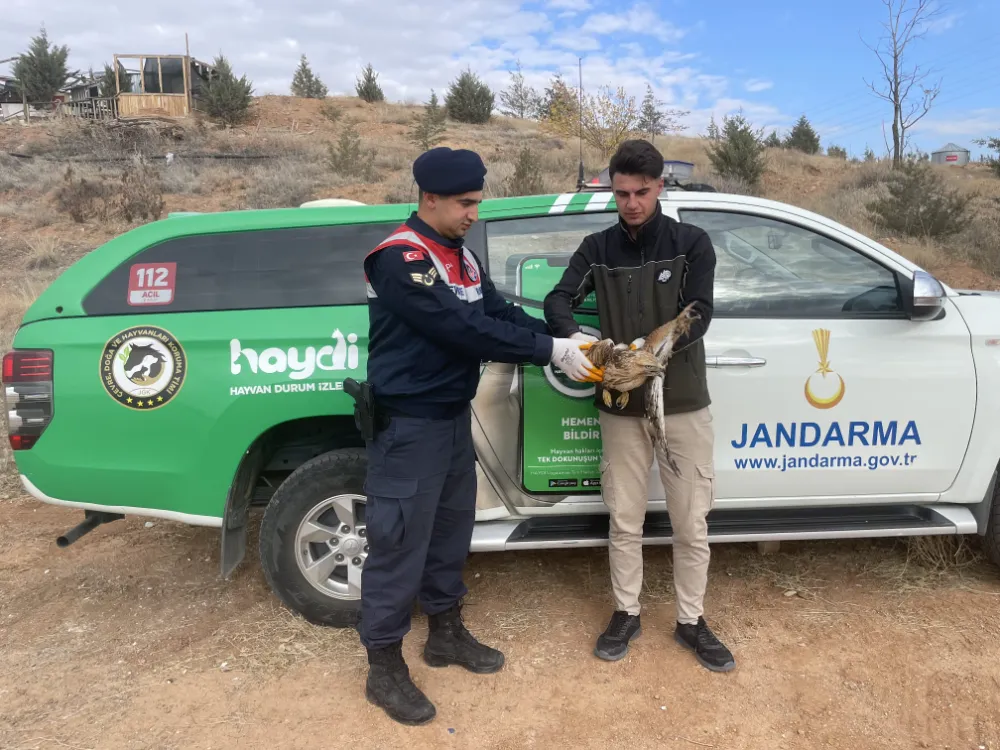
[773, 524]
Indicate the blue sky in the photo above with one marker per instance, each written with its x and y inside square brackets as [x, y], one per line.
[775, 59]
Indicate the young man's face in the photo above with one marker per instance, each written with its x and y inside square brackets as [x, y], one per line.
[454, 214]
[636, 196]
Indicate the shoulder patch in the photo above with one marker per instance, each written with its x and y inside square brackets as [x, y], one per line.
[427, 279]
[411, 255]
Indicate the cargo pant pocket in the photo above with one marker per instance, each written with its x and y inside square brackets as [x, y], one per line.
[607, 483]
[704, 490]
[389, 510]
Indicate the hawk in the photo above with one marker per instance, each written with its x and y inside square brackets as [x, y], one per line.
[626, 369]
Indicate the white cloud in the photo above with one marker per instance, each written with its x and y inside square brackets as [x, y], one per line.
[639, 19]
[977, 123]
[755, 85]
[574, 41]
[414, 47]
[571, 5]
[944, 23]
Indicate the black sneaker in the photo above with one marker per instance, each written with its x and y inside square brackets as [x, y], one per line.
[390, 688]
[450, 642]
[612, 644]
[708, 650]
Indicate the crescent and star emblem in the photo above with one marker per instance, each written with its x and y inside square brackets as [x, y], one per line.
[822, 339]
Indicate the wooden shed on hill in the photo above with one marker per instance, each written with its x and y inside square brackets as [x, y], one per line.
[167, 85]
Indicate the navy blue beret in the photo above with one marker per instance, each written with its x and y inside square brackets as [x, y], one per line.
[444, 171]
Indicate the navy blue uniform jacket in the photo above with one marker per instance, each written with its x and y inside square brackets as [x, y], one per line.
[434, 317]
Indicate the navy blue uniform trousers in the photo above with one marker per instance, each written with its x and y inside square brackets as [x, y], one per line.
[420, 512]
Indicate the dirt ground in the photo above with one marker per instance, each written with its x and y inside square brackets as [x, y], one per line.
[130, 639]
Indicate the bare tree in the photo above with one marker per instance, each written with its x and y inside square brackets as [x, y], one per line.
[904, 87]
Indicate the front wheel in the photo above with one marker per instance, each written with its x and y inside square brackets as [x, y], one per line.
[992, 539]
[313, 541]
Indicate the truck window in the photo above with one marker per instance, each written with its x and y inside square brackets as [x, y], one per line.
[771, 268]
[272, 268]
[554, 237]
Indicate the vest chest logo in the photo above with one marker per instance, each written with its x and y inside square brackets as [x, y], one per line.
[664, 276]
[471, 270]
[427, 279]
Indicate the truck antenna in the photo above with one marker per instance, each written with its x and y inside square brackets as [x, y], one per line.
[580, 115]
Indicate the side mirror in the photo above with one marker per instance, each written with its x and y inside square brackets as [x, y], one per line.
[926, 297]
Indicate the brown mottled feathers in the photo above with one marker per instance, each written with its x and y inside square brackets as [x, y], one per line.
[625, 369]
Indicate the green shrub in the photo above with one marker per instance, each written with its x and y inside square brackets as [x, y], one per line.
[739, 151]
[349, 159]
[469, 100]
[429, 128]
[225, 98]
[527, 176]
[916, 203]
[368, 87]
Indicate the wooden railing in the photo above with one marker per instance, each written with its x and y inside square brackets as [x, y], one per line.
[104, 108]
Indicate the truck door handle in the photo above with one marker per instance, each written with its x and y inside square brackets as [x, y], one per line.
[735, 361]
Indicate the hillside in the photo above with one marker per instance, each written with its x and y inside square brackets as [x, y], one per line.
[285, 159]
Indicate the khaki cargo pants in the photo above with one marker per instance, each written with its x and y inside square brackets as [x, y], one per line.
[625, 466]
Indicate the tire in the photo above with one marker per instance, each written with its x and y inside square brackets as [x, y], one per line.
[991, 541]
[319, 491]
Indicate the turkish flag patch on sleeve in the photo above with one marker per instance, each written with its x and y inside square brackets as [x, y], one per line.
[411, 255]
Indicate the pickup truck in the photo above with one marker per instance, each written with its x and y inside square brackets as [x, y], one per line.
[193, 369]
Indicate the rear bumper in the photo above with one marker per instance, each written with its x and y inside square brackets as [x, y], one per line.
[169, 515]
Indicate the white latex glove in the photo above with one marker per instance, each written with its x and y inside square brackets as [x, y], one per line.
[585, 337]
[637, 344]
[567, 356]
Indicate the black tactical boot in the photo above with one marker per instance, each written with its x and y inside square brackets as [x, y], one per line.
[450, 643]
[708, 650]
[389, 687]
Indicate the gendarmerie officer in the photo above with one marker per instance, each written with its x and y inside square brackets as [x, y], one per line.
[434, 318]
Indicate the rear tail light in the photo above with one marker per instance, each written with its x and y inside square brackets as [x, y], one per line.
[27, 390]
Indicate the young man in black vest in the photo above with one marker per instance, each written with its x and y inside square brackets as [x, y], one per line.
[644, 270]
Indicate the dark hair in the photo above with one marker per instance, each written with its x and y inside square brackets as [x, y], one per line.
[637, 156]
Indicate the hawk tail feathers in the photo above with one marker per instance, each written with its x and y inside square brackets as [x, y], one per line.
[654, 413]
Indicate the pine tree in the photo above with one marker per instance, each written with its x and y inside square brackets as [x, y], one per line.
[368, 87]
[469, 99]
[559, 102]
[650, 117]
[739, 151]
[520, 100]
[225, 97]
[773, 141]
[655, 121]
[41, 71]
[108, 87]
[305, 84]
[429, 129]
[712, 132]
[803, 137]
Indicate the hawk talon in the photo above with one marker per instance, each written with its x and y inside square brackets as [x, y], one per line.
[607, 398]
[622, 401]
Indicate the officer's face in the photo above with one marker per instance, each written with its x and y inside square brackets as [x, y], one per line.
[454, 214]
[636, 196]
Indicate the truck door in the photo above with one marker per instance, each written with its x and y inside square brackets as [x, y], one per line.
[823, 390]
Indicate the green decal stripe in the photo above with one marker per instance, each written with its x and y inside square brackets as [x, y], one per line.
[578, 203]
